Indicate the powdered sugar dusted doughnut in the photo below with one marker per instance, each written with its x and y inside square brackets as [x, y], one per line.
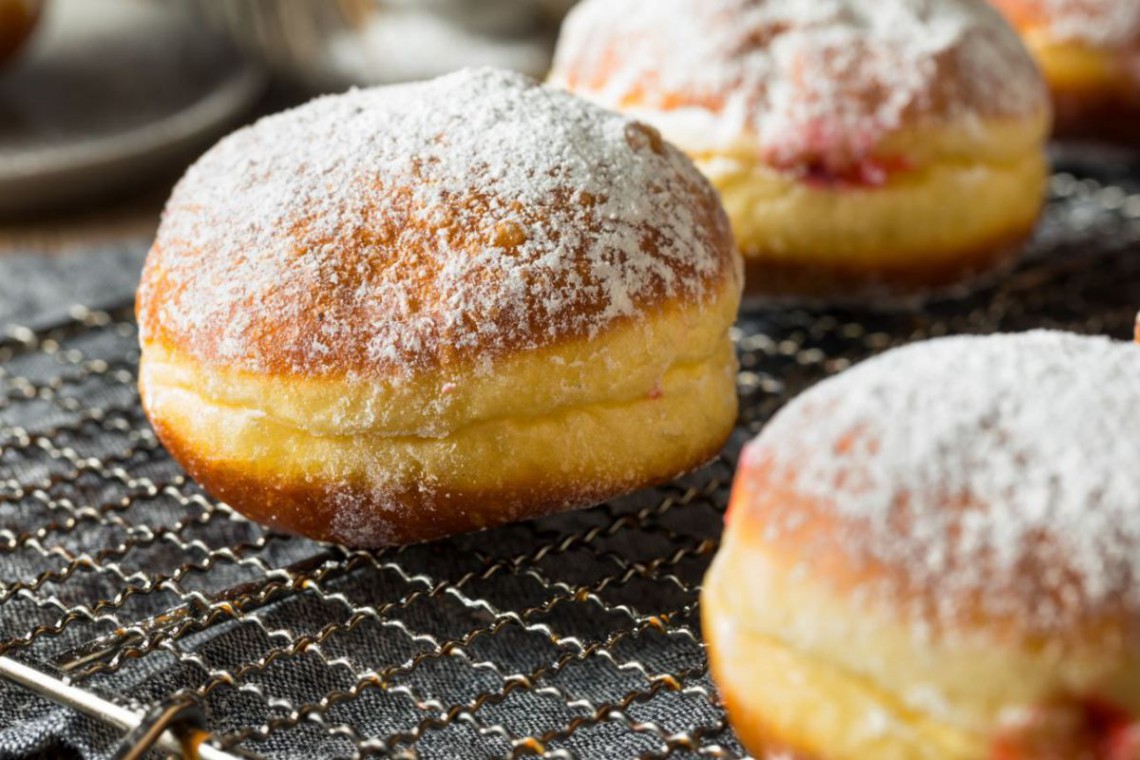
[1090, 53]
[402, 312]
[815, 83]
[1101, 23]
[798, 110]
[946, 538]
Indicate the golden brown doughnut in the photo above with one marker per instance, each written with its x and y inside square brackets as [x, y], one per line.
[863, 148]
[17, 20]
[400, 313]
[1089, 51]
[936, 556]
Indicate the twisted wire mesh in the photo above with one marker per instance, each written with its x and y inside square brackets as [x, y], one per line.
[570, 636]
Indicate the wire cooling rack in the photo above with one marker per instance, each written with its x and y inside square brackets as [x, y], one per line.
[129, 595]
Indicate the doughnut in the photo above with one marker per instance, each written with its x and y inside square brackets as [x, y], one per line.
[1089, 51]
[935, 555]
[17, 20]
[400, 313]
[866, 150]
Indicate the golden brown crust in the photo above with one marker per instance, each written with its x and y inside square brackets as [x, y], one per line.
[1089, 51]
[751, 726]
[934, 544]
[277, 264]
[1104, 24]
[1109, 115]
[17, 20]
[811, 669]
[812, 86]
[916, 483]
[287, 452]
[759, 502]
[397, 242]
[314, 509]
[940, 96]
[913, 277]
[537, 285]
[786, 106]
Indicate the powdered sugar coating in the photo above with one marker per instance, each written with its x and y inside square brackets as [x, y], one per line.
[1108, 23]
[821, 81]
[996, 474]
[386, 231]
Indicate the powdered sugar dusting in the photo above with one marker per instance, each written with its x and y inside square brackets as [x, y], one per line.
[822, 81]
[398, 228]
[356, 520]
[1109, 23]
[1002, 469]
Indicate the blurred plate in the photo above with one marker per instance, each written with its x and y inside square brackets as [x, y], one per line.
[109, 94]
[329, 45]
[401, 46]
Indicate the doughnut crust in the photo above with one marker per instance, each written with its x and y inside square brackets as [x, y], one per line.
[18, 18]
[863, 148]
[929, 552]
[1089, 52]
[401, 313]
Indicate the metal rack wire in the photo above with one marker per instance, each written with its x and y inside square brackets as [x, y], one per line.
[127, 594]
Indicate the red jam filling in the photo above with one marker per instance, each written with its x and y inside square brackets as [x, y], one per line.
[865, 174]
[1090, 729]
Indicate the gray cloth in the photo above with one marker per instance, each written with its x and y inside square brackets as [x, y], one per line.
[38, 290]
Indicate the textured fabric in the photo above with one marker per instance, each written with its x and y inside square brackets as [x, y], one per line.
[38, 290]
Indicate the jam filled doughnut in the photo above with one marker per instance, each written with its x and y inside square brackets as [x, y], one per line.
[404, 312]
[1089, 51]
[936, 556]
[862, 147]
